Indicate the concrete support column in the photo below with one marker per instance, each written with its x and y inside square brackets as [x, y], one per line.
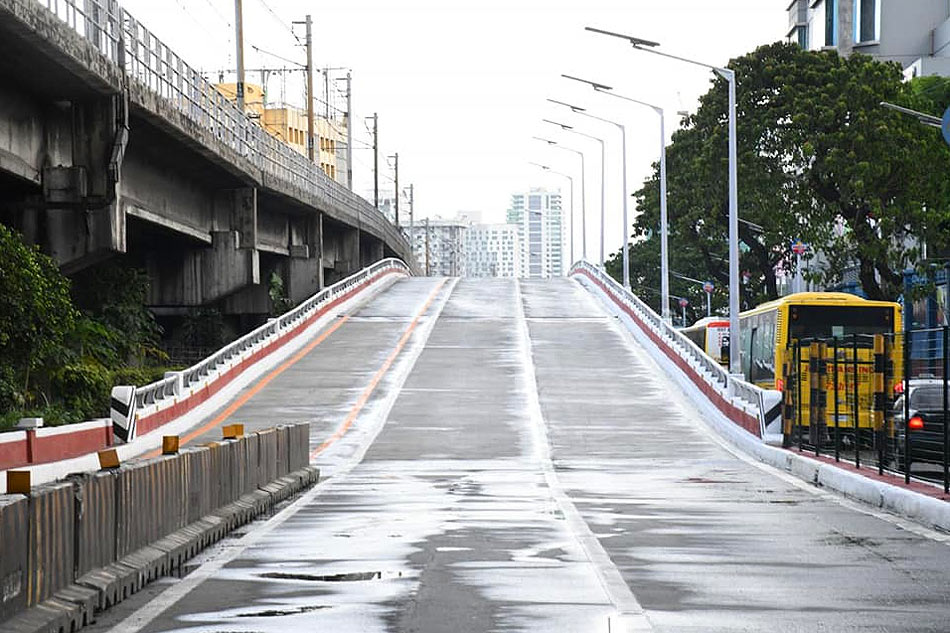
[371, 251]
[226, 267]
[84, 219]
[305, 268]
[348, 261]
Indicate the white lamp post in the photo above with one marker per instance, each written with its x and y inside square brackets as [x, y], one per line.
[557, 145]
[730, 76]
[626, 230]
[571, 181]
[603, 170]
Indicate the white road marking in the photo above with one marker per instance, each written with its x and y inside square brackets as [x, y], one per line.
[630, 616]
[168, 598]
[697, 418]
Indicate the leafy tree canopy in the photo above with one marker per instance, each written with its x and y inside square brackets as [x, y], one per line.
[819, 160]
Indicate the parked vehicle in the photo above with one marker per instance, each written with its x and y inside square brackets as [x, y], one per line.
[925, 424]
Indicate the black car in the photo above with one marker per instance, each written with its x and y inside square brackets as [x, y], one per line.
[925, 425]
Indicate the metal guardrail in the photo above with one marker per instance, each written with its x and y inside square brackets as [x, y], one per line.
[752, 398]
[151, 64]
[196, 376]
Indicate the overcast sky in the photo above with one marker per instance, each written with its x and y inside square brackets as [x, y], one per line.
[460, 85]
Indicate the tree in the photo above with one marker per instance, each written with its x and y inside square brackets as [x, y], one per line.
[36, 314]
[819, 160]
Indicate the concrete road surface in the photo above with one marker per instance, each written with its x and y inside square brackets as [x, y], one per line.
[502, 457]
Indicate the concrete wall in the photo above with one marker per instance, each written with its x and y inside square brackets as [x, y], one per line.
[88, 542]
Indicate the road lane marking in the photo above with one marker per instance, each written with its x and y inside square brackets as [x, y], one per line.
[371, 387]
[263, 382]
[145, 615]
[630, 616]
[697, 417]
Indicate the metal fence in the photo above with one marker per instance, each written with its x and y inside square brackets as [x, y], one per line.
[878, 401]
[152, 65]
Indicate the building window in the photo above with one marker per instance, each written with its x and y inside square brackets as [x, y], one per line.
[803, 37]
[831, 22]
[867, 20]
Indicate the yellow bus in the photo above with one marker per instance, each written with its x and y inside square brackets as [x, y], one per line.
[771, 332]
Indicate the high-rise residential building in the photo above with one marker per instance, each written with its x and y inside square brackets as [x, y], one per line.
[537, 215]
[439, 246]
[915, 33]
[492, 250]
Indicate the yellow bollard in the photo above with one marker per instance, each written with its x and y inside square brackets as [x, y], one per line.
[18, 482]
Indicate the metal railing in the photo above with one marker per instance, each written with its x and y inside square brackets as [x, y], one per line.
[752, 398]
[847, 398]
[152, 65]
[198, 375]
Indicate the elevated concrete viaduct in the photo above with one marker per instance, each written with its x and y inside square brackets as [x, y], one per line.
[112, 146]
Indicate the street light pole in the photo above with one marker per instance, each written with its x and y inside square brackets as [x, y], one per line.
[571, 216]
[556, 145]
[626, 231]
[729, 75]
[603, 161]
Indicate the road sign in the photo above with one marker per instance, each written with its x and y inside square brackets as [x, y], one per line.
[683, 303]
[708, 287]
[945, 126]
[799, 247]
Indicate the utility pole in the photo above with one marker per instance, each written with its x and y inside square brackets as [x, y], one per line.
[412, 208]
[396, 157]
[376, 160]
[239, 42]
[349, 130]
[326, 92]
[310, 122]
[428, 269]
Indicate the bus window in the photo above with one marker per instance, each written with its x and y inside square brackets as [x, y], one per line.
[826, 321]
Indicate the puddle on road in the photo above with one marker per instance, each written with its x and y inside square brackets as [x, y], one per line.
[276, 613]
[360, 576]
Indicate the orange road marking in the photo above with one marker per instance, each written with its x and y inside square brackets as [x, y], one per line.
[364, 397]
[250, 393]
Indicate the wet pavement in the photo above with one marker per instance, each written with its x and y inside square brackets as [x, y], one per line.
[521, 466]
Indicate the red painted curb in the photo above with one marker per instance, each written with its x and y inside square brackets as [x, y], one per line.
[736, 415]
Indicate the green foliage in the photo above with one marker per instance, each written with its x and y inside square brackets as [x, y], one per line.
[61, 363]
[280, 303]
[819, 159]
[83, 389]
[119, 329]
[36, 315]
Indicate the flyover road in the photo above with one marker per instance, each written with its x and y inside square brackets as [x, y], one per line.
[501, 456]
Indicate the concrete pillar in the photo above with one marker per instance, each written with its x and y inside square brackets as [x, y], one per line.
[84, 220]
[371, 250]
[305, 268]
[227, 267]
[845, 28]
[348, 261]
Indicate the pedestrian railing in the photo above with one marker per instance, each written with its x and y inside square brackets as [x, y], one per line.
[152, 65]
[748, 399]
[178, 386]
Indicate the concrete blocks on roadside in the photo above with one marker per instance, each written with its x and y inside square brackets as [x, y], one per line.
[79, 546]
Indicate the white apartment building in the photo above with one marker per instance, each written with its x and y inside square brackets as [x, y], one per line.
[915, 33]
[537, 215]
[492, 250]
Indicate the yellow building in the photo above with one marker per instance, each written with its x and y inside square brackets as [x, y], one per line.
[290, 125]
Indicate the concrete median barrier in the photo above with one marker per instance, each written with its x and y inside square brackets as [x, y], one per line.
[72, 548]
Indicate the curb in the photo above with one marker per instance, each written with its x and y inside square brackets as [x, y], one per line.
[922, 509]
[75, 606]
